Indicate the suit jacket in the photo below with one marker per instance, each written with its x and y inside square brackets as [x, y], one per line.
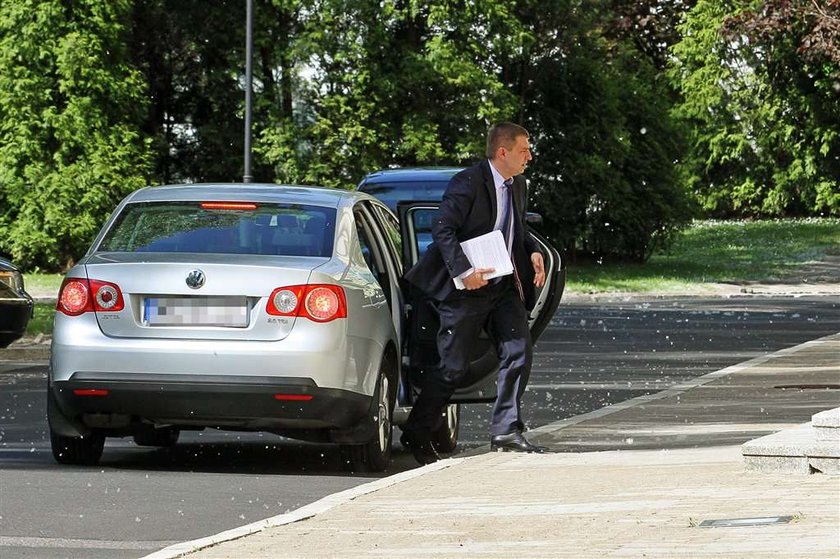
[468, 210]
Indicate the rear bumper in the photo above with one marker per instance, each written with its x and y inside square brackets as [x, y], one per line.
[329, 358]
[118, 400]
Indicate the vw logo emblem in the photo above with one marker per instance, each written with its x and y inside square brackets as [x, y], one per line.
[195, 279]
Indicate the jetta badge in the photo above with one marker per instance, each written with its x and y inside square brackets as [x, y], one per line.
[195, 279]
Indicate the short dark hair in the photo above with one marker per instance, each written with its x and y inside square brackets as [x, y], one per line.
[502, 134]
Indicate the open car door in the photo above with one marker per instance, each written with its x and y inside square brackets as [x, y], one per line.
[422, 324]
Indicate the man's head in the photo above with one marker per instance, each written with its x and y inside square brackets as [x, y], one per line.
[508, 148]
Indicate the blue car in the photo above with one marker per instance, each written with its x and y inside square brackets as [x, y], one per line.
[410, 184]
[417, 184]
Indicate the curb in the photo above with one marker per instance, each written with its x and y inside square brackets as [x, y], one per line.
[308, 511]
[34, 353]
[736, 292]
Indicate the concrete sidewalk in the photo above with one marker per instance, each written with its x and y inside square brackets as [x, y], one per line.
[633, 480]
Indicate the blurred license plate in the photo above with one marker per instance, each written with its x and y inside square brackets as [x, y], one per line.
[196, 311]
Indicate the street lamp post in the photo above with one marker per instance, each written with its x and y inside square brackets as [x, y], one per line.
[249, 39]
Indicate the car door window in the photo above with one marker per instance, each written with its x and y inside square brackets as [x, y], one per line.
[373, 249]
[417, 230]
[391, 227]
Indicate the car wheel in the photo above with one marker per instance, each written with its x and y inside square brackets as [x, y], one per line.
[375, 455]
[85, 450]
[445, 437]
[161, 437]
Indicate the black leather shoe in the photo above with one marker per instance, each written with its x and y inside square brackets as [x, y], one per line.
[421, 447]
[514, 442]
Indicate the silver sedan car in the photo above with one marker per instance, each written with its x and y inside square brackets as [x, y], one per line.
[243, 307]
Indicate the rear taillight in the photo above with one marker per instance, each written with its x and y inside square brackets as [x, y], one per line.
[320, 303]
[74, 297]
[79, 295]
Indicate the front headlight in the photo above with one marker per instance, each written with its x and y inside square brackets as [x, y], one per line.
[13, 279]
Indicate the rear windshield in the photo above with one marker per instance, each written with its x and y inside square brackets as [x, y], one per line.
[266, 229]
[391, 193]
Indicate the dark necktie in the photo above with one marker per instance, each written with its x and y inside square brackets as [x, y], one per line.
[507, 212]
[507, 230]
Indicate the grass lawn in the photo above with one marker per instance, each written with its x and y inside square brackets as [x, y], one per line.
[42, 320]
[707, 252]
[718, 252]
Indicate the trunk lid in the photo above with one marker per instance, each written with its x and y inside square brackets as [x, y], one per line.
[197, 296]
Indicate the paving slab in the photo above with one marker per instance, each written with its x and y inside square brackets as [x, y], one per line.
[602, 504]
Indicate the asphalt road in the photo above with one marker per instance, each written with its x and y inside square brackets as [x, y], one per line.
[138, 500]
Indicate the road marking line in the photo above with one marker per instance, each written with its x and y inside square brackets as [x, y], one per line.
[72, 543]
[308, 511]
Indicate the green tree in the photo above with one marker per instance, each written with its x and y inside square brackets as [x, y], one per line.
[192, 55]
[70, 113]
[762, 107]
[603, 174]
[401, 82]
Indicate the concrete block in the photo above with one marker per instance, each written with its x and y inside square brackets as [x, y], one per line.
[829, 466]
[790, 442]
[797, 450]
[828, 434]
[778, 464]
[827, 419]
[823, 449]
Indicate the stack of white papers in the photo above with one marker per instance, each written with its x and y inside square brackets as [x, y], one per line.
[487, 251]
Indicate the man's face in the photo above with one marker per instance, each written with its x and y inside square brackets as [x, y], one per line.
[516, 158]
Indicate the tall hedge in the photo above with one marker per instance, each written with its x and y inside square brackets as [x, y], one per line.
[70, 113]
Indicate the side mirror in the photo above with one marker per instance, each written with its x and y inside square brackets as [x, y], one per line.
[533, 219]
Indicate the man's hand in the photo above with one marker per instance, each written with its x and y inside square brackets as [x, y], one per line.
[539, 269]
[476, 279]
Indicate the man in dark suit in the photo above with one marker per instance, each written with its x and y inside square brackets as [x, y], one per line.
[489, 196]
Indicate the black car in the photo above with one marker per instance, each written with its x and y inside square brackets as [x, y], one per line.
[414, 194]
[15, 304]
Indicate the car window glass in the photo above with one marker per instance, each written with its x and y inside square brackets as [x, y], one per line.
[391, 227]
[370, 251]
[422, 219]
[391, 193]
[264, 229]
[373, 250]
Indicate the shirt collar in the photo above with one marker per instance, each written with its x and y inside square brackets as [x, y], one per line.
[498, 179]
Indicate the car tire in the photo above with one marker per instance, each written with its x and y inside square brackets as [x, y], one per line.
[85, 450]
[81, 450]
[375, 455]
[445, 437]
[163, 437]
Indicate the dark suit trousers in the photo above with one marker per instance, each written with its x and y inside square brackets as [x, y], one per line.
[463, 314]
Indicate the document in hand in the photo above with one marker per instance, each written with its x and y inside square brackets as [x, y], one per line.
[487, 251]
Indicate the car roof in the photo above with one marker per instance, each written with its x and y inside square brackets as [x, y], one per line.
[252, 192]
[412, 174]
